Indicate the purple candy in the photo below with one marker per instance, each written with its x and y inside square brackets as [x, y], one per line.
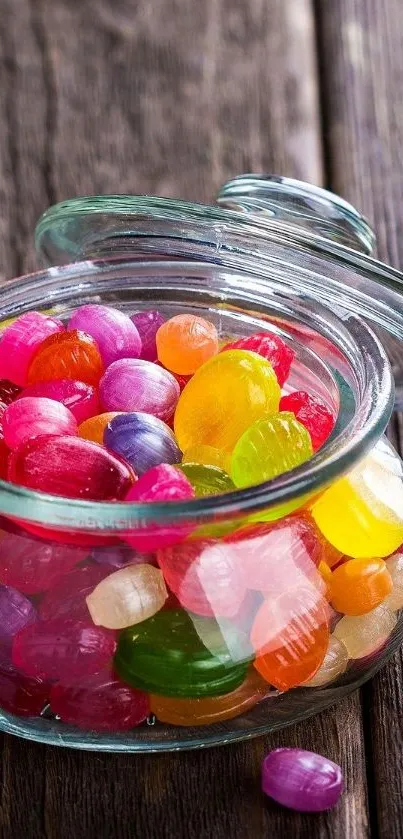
[148, 324]
[136, 385]
[302, 780]
[142, 440]
[118, 557]
[16, 611]
[115, 334]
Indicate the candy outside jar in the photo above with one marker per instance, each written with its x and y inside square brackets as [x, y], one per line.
[204, 543]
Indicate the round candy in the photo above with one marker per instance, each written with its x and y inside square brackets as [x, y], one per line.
[301, 780]
[66, 599]
[8, 393]
[94, 427]
[208, 456]
[81, 399]
[63, 649]
[334, 664]
[271, 347]
[210, 709]
[165, 655]
[16, 611]
[359, 585]
[99, 702]
[32, 566]
[114, 332]
[136, 385]
[71, 467]
[68, 355]
[22, 695]
[147, 324]
[185, 342]
[32, 416]
[312, 413]
[19, 342]
[364, 634]
[127, 597]
[207, 480]
[143, 440]
[395, 568]
[163, 483]
[268, 448]
[224, 397]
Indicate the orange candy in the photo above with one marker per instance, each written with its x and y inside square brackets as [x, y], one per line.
[359, 585]
[94, 427]
[185, 342]
[67, 355]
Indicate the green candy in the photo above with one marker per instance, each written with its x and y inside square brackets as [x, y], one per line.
[207, 480]
[166, 655]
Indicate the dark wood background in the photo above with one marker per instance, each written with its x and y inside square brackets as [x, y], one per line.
[172, 97]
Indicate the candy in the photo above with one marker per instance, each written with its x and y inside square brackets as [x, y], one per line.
[364, 634]
[62, 649]
[114, 332]
[8, 392]
[32, 566]
[334, 664]
[136, 385]
[185, 342]
[207, 480]
[81, 399]
[359, 585]
[20, 694]
[19, 342]
[270, 347]
[142, 440]
[395, 568]
[210, 709]
[147, 324]
[16, 611]
[163, 483]
[71, 467]
[32, 416]
[4, 453]
[99, 702]
[224, 397]
[119, 556]
[311, 413]
[69, 355]
[127, 597]
[66, 599]
[165, 655]
[94, 427]
[209, 456]
[268, 448]
[301, 780]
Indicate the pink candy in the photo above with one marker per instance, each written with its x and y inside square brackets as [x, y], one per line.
[81, 399]
[31, 416]
[160, 484]
[148, 324]
[62, 649]
[32, 566]
[136, 385]
[19, 342]
[100, 702]
[114, 332]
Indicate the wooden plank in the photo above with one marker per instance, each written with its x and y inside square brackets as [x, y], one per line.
[362, 76]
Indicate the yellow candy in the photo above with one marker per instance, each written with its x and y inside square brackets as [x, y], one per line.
[268, 448]
[224, 397]
[208, 456]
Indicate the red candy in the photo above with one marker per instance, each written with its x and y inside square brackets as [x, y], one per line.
[23, 695]
[69, 355]
[63, 649]
[67, 598]
[31, 566]
[8, 393]
[81, 399]
[20, 341]
[312, 413]
[99, 702]
[270, 347]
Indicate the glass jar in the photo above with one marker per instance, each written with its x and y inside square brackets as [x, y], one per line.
[273, 601]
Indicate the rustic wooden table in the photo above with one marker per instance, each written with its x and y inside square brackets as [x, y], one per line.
[172, 97]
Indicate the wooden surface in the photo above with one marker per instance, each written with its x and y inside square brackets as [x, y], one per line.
[172, 97]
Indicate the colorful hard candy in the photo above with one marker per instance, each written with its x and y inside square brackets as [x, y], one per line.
[99, 702]
[207, 480]
[20, 341]
[364, 634]
[359, 585]
[135, 385]
[268, 448]
[114, 332]
[16, 611]
[4, 454]
[20, 694]
[67, 355]
[395, 568]
[269, 346]
[185, 342]
[8, 393]
[63, 649]
[301, 780]
[117, 556]
[312, 413]
[142, 440]
[81, 399]
[66, 599]
[32, 566]
[94, 427]
[224, 397]
[32, 416]
[164, 655]
[208, 456]
[163, 483]
[128, 596]
[71, 467]
[334, 664]
[147, 324]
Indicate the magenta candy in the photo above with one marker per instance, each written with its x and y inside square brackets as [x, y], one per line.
[301, 780]
[99, 702]
[32, 566]
[148, 324]
[22, 695]
[67, 598]
[16, 611]
[63, 649]
[142, 440]
[31, 416]
[19, 342]
[136, 385]
[116, 335]
[81, 399]
[161, 484]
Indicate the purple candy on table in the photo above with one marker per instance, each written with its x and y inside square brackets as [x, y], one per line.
[148, 324]
[132, 384]
[142, 440]
[16, 611]
[301, 780]
[115, 333]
